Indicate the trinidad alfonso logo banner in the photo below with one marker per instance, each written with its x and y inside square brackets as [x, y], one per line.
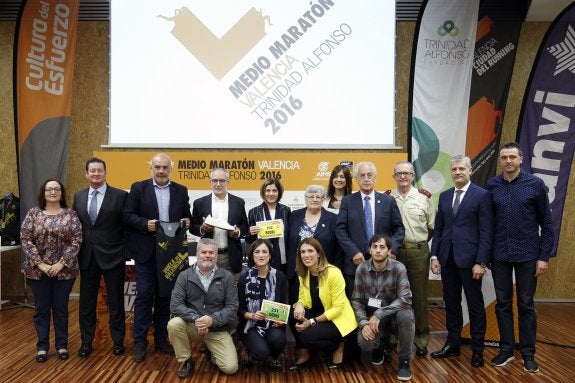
[546, 133]
[440, 88]
[44, 59]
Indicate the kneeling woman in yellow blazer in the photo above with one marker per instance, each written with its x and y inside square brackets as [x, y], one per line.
[322, 315]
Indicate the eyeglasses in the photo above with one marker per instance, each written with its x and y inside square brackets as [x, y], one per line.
[214, 181]
[313, 197]
[52, 190]
[403, 174]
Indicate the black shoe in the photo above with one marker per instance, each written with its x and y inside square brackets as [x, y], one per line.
[63, 354]
[421, 351]
[118, 349]
[529, 364]
[503, 358]
[275, 364]
[139, 353]
[477, 359]
[41, 356]
[377, 356]
[85, 350]
[334, 366]
[404, 372]
[187, 369]
[446, 352]
[165, 347]
[297, 366]
[387, 355]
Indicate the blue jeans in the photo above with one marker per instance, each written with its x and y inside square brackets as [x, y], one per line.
[51, 296]
[525, 286]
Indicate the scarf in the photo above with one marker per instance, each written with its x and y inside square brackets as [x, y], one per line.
[254, 297]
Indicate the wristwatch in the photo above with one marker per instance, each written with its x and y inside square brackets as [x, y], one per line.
[482, 265]
[312, 322]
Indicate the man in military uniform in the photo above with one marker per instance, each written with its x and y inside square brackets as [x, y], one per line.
[418, 216]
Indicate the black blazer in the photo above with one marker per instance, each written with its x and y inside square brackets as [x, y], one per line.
[105, 238]
[262, 213]
[236, 216]
[324, 233]
[141, 206]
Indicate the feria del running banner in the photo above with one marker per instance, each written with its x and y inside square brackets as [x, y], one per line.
[247, 73]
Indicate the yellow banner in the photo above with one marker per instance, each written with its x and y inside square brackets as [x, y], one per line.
[295, 169]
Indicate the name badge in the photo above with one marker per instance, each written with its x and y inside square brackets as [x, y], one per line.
[374, 302]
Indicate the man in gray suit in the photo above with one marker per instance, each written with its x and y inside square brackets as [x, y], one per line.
[99, 208]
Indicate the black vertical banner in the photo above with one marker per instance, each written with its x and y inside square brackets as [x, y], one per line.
[498, 30]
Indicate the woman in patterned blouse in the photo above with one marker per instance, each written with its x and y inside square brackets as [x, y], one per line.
[51, 235]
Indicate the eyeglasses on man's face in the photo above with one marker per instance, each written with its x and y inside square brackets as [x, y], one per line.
[403, 174]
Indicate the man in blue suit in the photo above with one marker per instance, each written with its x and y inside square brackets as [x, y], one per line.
[361, 215]
[461, 250]
[150, 201]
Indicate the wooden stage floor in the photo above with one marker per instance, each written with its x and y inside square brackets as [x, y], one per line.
[555, 355]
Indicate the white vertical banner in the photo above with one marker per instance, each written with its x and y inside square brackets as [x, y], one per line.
[441, 88]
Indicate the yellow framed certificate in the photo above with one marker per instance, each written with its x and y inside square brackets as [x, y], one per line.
[271, 229]
[274, 311]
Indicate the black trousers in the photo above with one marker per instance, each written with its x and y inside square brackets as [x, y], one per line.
[271, 344]
[89, 286]
[322, 337]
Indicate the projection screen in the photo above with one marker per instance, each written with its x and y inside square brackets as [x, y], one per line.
[252, 74]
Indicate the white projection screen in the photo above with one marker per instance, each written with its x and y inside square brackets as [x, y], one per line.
[252, 74]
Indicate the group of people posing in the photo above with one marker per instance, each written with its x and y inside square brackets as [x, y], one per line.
[353, 267]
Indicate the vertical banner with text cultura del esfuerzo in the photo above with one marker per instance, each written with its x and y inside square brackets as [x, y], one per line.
[546, 133]
[44, 65]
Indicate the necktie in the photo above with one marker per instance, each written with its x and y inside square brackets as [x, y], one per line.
[93, 208]
[368, 221]
[457, 201]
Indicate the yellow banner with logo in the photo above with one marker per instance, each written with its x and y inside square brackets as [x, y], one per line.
[296, 170]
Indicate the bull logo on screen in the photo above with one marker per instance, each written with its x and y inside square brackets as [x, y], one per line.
[218, 55]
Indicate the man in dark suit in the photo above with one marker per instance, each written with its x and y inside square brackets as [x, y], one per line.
[228, 208]
[363, 214]
[461, 250]
[99, 208]
[150, 201]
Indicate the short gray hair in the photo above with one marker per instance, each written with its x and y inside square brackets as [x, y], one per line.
[404, 163]
[205, 242]
[368, 165]
[314, 189]
[462, 158]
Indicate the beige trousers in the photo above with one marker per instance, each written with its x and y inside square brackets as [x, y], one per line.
[220, 344]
